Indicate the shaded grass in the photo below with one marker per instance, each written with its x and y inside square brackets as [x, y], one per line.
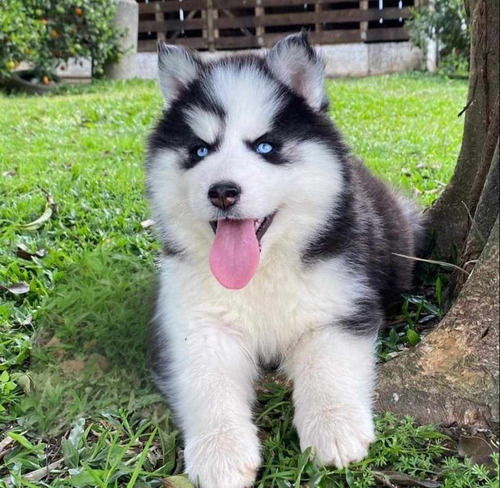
[75, 385]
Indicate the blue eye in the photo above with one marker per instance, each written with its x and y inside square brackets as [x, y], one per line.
[264, 148]
[202, 151]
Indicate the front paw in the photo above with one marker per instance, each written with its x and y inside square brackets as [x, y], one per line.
[338, 436]
[228, 458]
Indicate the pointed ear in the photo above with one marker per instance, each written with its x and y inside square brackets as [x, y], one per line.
[177, 67]
[296, 64]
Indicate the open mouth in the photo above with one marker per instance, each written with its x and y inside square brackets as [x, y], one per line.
[235, 252]
[260, 225]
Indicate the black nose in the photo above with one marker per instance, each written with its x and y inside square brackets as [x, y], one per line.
[224, 195]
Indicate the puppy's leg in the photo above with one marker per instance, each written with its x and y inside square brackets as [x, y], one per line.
[333, 375]
[212, 388]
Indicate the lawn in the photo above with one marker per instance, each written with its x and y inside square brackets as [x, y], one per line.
[77, 281]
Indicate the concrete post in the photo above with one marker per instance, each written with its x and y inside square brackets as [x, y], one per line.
[126, 18]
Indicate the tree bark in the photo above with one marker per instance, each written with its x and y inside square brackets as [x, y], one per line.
[449, 219]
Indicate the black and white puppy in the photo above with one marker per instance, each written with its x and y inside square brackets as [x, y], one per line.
[278, 246]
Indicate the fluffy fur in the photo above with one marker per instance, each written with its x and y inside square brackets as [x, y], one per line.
[327, 266]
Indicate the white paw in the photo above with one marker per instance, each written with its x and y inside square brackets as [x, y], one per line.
[228, 458]
[338, 436]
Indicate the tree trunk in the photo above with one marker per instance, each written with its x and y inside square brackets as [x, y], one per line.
[452, 376]
[449, 219]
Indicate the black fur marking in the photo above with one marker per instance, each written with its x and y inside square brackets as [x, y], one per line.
[168, 249]
[338, 234]
[173, 131]
[156, 357]
[366, 227]
[365, 320]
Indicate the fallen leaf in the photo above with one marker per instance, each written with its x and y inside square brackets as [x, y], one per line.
[4, 446]
[41, 473]
[421, 165]
[24, 381]
[17, 288]
[50, 208]
[147, 223]
[100, 360]
[27, 321]
[478, 449]
[36, 224]
[73, 365]
[392, 478]
[11, 172]
[24, 253]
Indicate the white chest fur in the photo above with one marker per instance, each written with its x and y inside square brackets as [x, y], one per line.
[284, 300]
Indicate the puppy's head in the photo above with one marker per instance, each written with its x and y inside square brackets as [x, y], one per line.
[243, 150]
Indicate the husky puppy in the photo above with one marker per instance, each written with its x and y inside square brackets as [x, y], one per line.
[277, 247]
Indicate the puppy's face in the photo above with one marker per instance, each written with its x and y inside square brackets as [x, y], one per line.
[243, 146]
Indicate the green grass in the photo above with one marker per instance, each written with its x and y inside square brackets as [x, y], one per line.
[74, 388]
[405, 127]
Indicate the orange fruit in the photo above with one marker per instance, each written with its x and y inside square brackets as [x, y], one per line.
[45, 80]
[53, 34]
[44, 21]
[10, 65]
[78, 11]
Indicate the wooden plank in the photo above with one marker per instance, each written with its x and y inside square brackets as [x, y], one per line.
[388, 34]
[215, 16]
[273, 3]
[259, 30]
[363, 5]
[299, 18]
[204, 32]
[160, 17]
[323, 37]
[210, 26]
[189, 16]
[170, 25]
[318, 8]
[230, 14]
[249, 42]
[191, 42]
[171, 6]
[335, 36]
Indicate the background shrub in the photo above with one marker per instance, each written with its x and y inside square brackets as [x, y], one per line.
[445, 22]
[63, 29]
[19, 35]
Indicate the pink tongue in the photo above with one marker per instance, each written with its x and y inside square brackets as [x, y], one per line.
[235, 253]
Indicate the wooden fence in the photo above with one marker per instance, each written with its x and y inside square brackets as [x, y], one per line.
[239, 24]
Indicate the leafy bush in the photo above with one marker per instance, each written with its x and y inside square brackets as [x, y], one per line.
[19, 34]
[63, 29]
[446, 23]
